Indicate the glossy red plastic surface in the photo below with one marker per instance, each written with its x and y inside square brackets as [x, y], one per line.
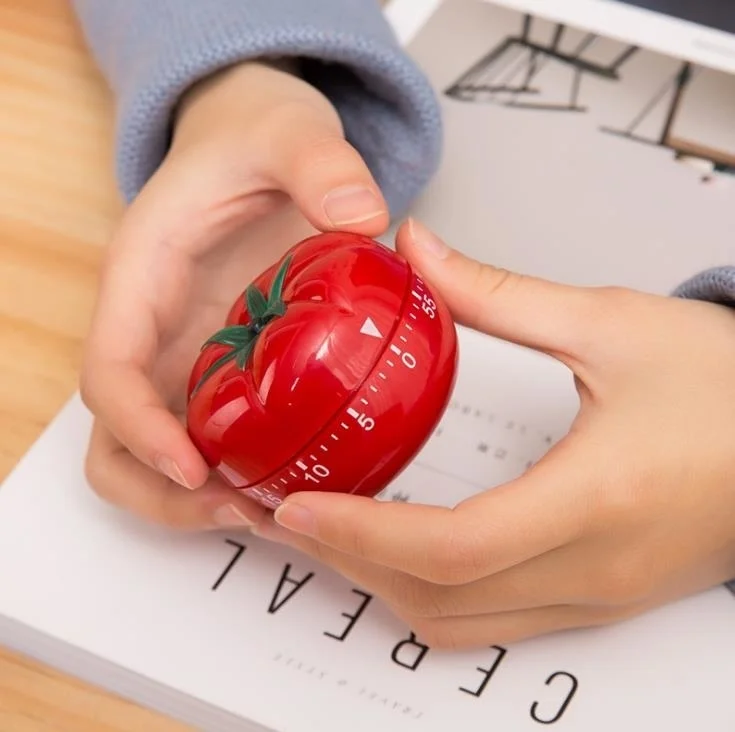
[342, 389]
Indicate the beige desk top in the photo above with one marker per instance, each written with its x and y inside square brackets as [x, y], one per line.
[58, 204]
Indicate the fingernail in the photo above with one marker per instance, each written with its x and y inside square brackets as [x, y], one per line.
[169, 468]
[352, 205]
[427, 240]
[296, 518]
[229, 515]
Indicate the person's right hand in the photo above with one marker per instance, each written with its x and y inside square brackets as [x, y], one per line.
[258, 160]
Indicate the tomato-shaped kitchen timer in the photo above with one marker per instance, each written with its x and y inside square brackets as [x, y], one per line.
[330, 373]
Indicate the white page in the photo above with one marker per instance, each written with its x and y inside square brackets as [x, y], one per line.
[85, 578]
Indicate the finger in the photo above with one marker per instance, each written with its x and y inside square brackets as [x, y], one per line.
[549, 506]
[476, 631]
[554, 578]
[120, 479]
[324, 174]
[363, 572]
[554, 318]
[443, 617]
[144, 288]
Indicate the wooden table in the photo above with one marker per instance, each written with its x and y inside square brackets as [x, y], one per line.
[58, 205]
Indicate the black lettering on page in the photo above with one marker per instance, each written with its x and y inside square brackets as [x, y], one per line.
[487, 673]
[352, 618]
[277, 602]
[410, 644]
[408, 652]
[239, 551]
[573, 685]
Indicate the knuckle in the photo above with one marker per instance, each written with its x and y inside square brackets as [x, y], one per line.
[457, 557]
[489, 280]
[438, 634]
[355, 541]
[444, 567]
[415, 597]
[164, 509]
[321, 553]
[322, 153]
[326, 147]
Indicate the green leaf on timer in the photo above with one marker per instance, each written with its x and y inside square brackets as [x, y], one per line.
[277, 308]
[257, 305]
[244, 354]
[242, 338]
[276, 293]
[236, 336]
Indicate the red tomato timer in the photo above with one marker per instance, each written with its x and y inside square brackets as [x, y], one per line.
[330, 373]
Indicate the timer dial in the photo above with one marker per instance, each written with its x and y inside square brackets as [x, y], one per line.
[330, 373]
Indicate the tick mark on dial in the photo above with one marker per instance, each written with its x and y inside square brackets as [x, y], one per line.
[323, 448]
[373, 388]
[381, 375]
[344, 425]
[284, 481]
[333, 436]
[389, 362]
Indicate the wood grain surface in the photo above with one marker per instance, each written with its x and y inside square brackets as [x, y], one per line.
[58, 205]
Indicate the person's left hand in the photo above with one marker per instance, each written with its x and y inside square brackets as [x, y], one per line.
[635, 507]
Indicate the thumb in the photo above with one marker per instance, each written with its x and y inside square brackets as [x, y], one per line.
[543, 315]
[325, 175]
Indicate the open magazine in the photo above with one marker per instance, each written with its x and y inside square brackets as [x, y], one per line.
[569, 155]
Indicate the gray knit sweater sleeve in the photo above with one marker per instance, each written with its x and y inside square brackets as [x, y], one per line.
[716, 285]
[150, 51]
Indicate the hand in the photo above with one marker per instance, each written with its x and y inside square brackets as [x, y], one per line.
[633, 508]
[258, 161]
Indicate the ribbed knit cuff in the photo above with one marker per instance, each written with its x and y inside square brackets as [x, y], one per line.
[714, 285]
[151, 52]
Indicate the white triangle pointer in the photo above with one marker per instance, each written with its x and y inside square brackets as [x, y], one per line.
[369, 328]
